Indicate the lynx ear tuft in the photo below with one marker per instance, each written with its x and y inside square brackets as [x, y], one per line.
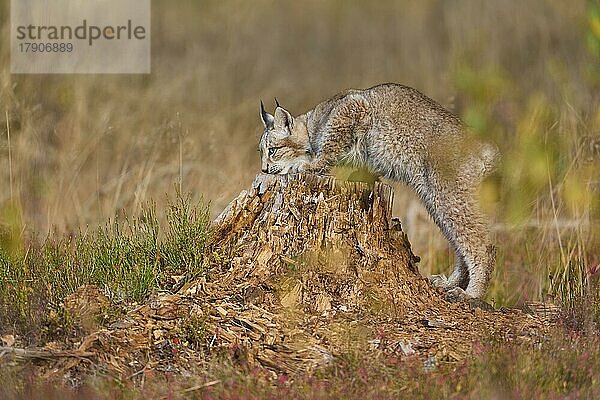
[267, 119]
[283, 119]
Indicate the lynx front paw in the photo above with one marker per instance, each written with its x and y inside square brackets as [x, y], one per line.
[316, 170]
[296, 169]
[317, 166]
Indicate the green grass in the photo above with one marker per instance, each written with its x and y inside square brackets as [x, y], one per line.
[127, 258]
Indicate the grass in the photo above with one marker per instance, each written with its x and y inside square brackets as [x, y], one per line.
[78, 151]
[128, 258]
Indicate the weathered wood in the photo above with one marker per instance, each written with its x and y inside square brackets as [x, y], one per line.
[14, 352]
[338, 236]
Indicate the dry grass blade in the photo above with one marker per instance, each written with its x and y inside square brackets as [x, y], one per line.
[204, 385]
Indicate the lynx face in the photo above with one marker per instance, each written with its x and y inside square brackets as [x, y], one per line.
[284, 143]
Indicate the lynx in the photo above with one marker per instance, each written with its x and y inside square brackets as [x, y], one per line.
[402, 135]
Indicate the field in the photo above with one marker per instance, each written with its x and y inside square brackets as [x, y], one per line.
[113, 180]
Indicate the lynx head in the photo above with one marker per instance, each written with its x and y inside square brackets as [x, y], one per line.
[284, 144]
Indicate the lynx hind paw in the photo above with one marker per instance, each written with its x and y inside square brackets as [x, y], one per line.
[439, 281]
[456, 295]
[453, 293]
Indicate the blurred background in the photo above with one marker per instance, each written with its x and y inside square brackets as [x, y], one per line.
[523, 75]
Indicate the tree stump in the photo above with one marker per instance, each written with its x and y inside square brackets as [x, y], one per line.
[322, 244]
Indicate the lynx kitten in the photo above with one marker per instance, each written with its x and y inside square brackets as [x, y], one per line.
[402, 135]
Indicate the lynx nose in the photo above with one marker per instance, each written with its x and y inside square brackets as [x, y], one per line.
[265, 169]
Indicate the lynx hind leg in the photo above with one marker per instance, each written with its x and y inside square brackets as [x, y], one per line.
[471, 245]
[480, 270]
[460, 276]
[457, 215]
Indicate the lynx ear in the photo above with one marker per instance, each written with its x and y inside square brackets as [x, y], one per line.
[283, 119]
[267, 119]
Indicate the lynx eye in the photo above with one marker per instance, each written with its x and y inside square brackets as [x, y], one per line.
[272, 151]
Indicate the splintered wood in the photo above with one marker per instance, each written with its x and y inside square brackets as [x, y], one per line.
[322, 227]
[317, 268]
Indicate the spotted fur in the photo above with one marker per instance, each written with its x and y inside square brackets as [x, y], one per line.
[402, 135]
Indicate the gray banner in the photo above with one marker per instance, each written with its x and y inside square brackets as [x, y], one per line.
[74, 36]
